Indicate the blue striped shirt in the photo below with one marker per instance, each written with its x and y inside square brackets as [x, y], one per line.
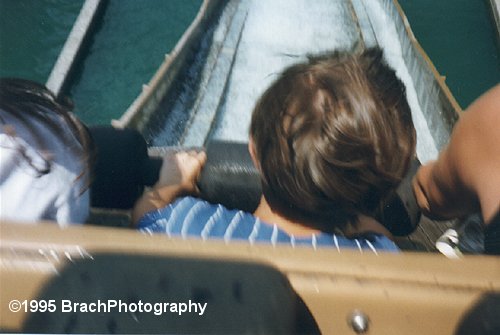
[193, 217]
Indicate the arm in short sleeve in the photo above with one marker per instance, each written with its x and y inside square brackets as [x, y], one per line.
[466, 176]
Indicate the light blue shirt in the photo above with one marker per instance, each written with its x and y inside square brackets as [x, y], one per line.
[193, 217]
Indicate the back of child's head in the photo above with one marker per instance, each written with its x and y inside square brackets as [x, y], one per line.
[333, 137]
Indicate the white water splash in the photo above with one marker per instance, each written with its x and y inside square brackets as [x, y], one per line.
[278, 33]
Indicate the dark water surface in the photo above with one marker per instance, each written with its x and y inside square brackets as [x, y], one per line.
[129, 44]
[460, 38]
[127, 49]
[32, 33]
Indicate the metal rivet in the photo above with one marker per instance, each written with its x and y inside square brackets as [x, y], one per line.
[358, 321]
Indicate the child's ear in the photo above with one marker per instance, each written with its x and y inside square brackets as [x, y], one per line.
[251, 149]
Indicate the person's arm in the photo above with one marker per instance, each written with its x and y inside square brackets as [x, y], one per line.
[178, 177]
[466, 176]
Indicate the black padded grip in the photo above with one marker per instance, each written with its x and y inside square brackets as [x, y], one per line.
[230, 178]
[400, 213]
[122, 167]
